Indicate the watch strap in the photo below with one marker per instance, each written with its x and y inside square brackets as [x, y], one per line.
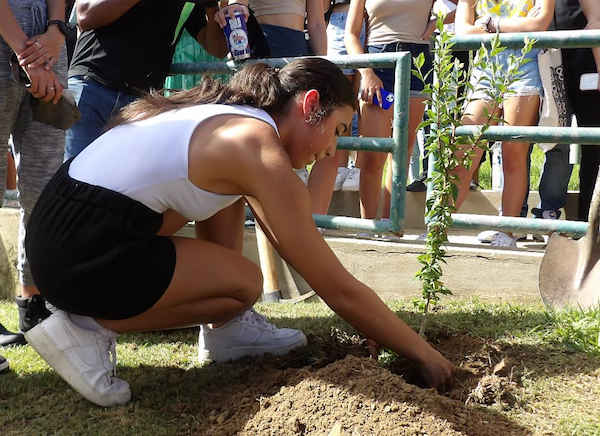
[62, 26]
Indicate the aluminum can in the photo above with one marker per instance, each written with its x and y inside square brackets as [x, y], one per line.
[237, 36]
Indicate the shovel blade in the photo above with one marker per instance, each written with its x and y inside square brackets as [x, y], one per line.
[589, 293]
[557, 271]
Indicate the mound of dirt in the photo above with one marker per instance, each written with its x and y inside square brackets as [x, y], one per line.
[353, 396]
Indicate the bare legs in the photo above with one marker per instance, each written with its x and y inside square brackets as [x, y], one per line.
[376, 122]
[518, 111]
[416, 111]
[323, 173]
[211, 282]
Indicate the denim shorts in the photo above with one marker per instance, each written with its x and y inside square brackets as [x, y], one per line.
[527, 82]
[284, 41]
[336, 45]
[387, 75]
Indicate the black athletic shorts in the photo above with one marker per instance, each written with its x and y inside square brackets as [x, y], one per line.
[95, 252]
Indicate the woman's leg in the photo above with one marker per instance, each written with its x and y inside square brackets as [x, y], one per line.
[374, 122]
[415, 116]
[323, 174]
[474, 115]
[518, 111]
[211, 283]
[322, 180]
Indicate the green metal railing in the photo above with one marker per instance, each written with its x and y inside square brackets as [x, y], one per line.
[398, 143]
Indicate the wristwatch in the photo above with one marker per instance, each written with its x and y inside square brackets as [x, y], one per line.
[62, 26]
[485, 24]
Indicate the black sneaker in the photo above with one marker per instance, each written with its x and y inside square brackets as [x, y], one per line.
[418, 185]
[547, 214]
[9, 338]
[3, 364]
[32, 311]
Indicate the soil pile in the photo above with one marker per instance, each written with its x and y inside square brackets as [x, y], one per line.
[353, 396]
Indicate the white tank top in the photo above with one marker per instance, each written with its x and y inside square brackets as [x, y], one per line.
[148, 161]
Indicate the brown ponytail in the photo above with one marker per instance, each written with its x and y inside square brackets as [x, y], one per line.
[258, 85]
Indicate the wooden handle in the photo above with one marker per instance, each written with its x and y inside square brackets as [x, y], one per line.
[267, 262]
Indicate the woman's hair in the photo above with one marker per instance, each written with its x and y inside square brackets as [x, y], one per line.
[258, 85]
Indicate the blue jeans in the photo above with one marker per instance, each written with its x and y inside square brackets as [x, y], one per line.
[97, 105]
[555, 178]
[388, 75]
[554, 182]
[335, 37]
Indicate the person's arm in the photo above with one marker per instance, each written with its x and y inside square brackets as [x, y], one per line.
[537, 21]
[44, 49]
[10, 30]
[250, 158]
[211, 37]
[370, 84]
[44, 84]
[92, 14]
[316, 27]
[591, 9]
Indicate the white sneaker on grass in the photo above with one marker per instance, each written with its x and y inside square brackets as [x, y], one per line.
[501, 239]
[352, 180]
[342, 172]
[85, 359]
[3, 364]
[248, 334]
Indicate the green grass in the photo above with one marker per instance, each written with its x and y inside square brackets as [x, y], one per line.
[558, 393]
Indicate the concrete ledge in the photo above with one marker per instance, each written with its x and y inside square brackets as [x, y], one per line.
[389, 268]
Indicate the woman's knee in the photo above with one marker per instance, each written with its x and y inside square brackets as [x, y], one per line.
[372, 162]
[251, 282]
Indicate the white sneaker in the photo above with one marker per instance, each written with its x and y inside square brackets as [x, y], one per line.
[303, 174]
[4, 366]
[86, 359]
[501, 239]
[486, 236]
[342, 172]
[248, 334]
[352, 181]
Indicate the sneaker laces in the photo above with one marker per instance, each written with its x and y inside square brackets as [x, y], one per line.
[111, 346]
[254, 318]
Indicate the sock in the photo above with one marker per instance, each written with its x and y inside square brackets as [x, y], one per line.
[85, 322]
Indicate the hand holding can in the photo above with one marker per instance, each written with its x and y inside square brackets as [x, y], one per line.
[237, 36]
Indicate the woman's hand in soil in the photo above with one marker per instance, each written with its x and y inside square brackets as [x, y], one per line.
[372, 348]
[438, 372]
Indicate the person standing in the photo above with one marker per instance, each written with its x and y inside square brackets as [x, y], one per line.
[32, 38]
[392, 26]
[575, 15]
[519, 108]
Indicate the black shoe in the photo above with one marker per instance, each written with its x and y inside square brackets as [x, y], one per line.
[10, 338]
[32, 311]
[3, 364]
[418, 185]
[548, 214]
